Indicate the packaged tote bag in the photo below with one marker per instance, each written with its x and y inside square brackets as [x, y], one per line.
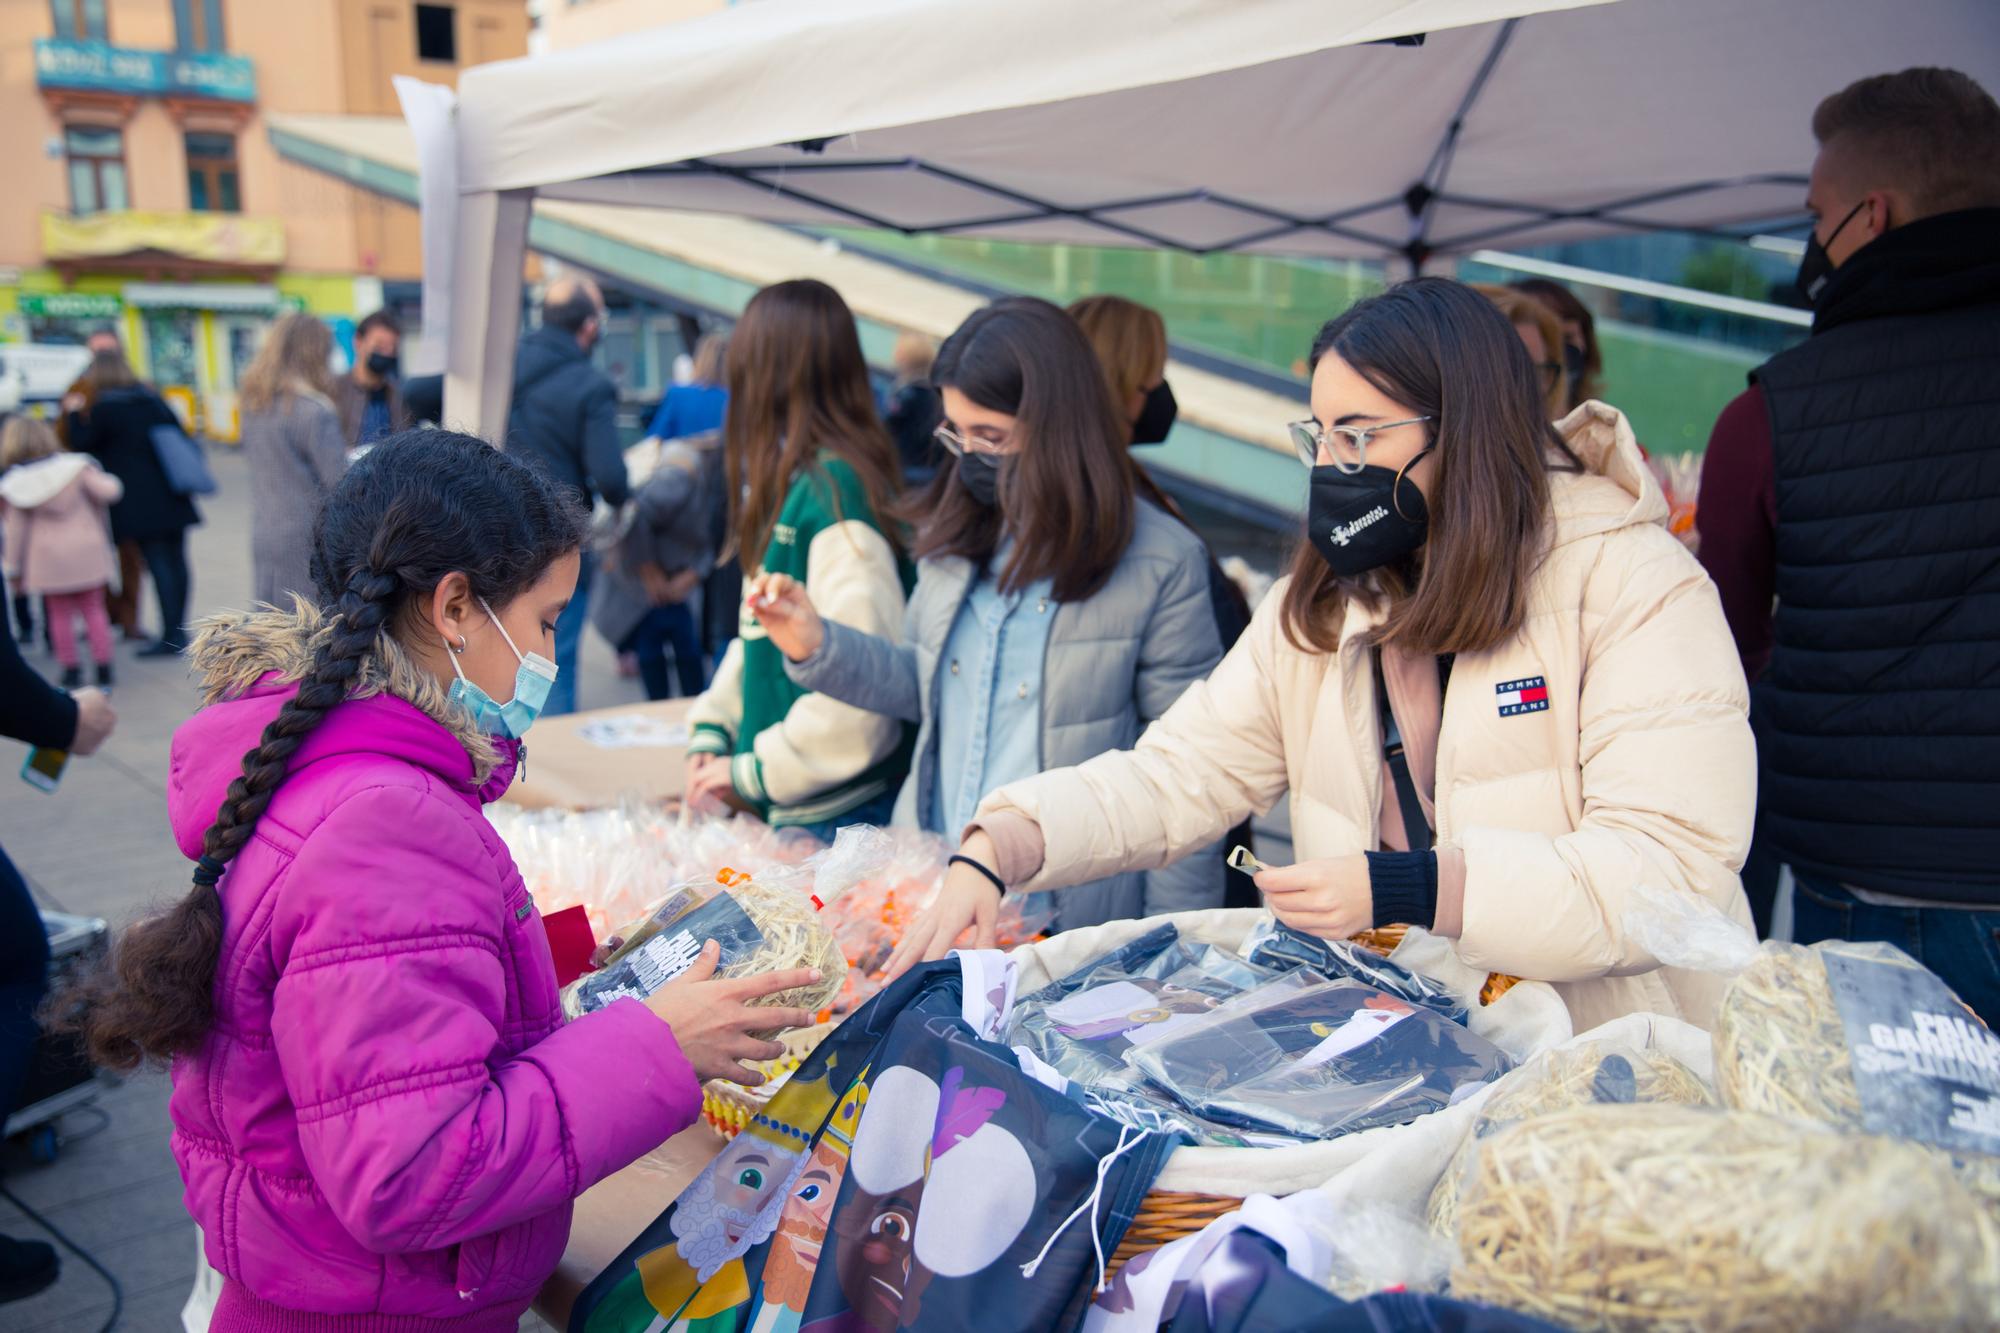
[909, 1175]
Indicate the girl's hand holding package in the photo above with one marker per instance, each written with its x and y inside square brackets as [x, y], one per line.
[967, 898]
[1329, 898]
[781, 606]
[712, 1020]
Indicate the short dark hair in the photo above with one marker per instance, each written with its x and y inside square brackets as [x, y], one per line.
[576, 308]
[1933, 132]
[381, 319]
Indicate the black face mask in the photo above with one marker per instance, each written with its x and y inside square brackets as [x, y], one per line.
[1815, 265]
[980, 475]
[1156, 418]
[1364, 520]
[1575, 362]
[382, 365]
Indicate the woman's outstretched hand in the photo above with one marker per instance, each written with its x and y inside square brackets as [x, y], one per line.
[713, 1020]
[781, 606]
[968, 898]
[1330, 898]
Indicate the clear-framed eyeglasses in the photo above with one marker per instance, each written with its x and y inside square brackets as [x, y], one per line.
[963, 444]
[1347, 445]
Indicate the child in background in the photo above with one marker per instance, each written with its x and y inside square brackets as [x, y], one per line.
[57, 509]
[379, 1113]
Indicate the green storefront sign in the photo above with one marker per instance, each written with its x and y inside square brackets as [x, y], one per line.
[70, 305]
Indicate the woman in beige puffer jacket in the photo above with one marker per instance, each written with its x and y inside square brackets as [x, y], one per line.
[1589, 747]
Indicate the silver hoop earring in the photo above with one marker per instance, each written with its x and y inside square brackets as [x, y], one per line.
[460, 649]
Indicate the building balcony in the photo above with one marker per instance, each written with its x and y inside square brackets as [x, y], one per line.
[178, 245]
[65, 66]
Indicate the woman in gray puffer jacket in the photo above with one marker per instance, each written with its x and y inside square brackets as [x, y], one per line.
[297, 452]
[1055, 614]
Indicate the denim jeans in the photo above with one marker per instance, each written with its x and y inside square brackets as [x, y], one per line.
[166, 560]
[569, 637]
[876, 811]
[1962, 947]
[664, 628]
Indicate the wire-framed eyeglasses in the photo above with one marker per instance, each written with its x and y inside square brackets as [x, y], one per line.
[1308, 436]
[963, 444]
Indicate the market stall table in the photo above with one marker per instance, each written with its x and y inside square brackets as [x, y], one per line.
[611, 1215]
[585, 760]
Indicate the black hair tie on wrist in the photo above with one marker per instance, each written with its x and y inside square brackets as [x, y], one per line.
[987, 871]
[207, 871]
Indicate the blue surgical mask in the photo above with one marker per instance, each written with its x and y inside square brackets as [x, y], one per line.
[532, 682]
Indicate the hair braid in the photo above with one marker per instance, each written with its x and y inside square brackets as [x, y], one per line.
[189, 937]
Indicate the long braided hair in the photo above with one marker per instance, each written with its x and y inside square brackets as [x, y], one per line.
[417, 508]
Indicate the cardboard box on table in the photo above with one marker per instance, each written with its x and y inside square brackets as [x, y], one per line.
[598, 758]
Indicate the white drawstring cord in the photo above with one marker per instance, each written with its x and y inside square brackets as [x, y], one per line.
[1104, 1165]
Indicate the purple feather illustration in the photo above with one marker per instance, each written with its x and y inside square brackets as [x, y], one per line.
[961, 1111]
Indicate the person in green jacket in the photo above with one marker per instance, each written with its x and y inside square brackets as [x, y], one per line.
[812, 476]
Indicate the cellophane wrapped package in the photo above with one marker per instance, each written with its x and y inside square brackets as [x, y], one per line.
[1280, 948]
[1083, 1024]
[1862, 1036]
[1673, 1217]
[1316, 1059]
[869, 919]
[617, 863]
[1591, 1073]
[763, 927]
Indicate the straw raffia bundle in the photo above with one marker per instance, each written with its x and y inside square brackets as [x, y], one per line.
[1781, 1048]
[1676, 1218]
[1589, 1074]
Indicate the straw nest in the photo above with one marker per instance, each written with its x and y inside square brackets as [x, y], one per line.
[794, 936]
[1676, 1218]
[1588, 1074]
[1781, 1049]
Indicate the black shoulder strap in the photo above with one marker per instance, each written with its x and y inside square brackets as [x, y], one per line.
[1416, 825]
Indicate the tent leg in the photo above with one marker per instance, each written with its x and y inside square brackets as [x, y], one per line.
[492, 244]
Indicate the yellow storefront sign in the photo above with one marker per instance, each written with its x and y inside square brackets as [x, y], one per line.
[217, 238]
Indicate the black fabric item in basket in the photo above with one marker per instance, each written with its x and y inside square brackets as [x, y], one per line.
[1284, 949]
[1083, 1024]
[1318, 1059]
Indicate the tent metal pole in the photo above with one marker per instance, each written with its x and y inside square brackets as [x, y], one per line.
[1423, 194]
[492, 245]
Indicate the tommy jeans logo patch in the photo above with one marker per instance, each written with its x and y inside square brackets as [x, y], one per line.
[1528, 695]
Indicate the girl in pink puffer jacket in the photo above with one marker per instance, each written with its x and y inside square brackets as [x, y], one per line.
[379, 1113]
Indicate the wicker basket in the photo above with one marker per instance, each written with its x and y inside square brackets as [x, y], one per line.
[1166, 1216]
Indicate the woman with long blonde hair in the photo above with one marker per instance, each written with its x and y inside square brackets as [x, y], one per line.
[296, 447]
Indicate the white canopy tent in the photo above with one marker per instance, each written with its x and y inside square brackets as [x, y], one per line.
[1338, 128]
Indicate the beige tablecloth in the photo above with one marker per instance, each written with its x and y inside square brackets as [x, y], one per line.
[574, 761]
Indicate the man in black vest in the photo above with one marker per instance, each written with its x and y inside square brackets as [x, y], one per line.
[1856, 485]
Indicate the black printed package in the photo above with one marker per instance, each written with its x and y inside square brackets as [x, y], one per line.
[1316, 1059]
[669, 947]
[1281, 949]
[1083, 1024]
